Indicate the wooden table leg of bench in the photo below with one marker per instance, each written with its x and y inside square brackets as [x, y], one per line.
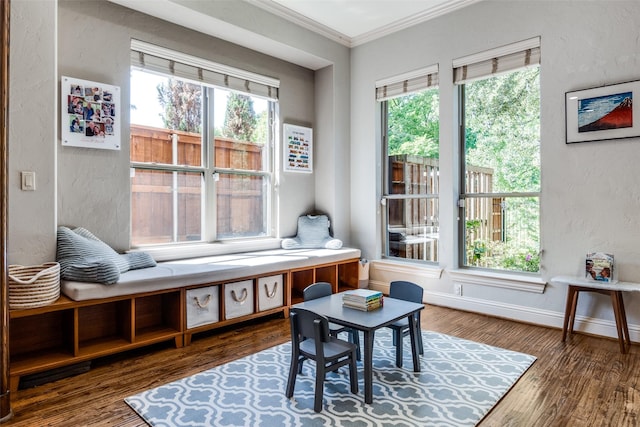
[179, 341]
[187, 339]
[14, 382]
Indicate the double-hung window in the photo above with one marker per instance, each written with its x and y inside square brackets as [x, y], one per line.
[499, 100]
[410, 135]
[201, 149]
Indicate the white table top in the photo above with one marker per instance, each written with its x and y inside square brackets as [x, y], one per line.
[582, 281]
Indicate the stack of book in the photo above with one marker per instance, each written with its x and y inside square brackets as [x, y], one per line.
[362, 299]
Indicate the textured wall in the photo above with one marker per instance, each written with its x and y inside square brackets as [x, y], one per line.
[85, 187]
[32, 131]
[590, 194]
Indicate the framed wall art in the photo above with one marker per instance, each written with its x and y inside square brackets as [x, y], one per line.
[90, 114]
[298, 148]
[602, 113]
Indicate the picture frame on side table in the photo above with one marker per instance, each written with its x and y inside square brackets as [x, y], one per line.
[298, 148]
[602, 113]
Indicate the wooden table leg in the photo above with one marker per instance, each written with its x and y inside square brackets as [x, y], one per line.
[621, 320]
[570, 311]
[623, 315]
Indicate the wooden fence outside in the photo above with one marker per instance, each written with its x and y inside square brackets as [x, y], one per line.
[157, 197]
[240, 199]
[417, 219]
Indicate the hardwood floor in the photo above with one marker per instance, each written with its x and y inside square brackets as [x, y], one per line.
[583, 382]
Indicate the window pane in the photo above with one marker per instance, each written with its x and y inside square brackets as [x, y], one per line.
[241, 131]
[413, 169]
[412, 231]
[502, 133]
[241, 205]
[503, 233]
[502, 156]
[169, 123]
[166, 120]
[166, 206]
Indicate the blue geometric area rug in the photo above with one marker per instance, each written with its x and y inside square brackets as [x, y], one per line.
[460, 381]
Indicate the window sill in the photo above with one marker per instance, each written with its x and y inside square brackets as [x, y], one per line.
[193, 250]
[500, 280]
[429, 271]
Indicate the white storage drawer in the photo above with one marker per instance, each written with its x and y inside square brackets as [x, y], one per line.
[270, 292]
[238, 299]
[202, 306]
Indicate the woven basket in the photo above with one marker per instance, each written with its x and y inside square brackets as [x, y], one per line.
[34, 286]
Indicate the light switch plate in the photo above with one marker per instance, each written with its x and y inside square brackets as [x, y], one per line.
[28, 179]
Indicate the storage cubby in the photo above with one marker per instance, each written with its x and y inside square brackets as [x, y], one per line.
[68, 332]
[43, 340]
[299, 280]
[157, 316]
[327, 273]
[342, 276]
[104, 326]
[348, 276]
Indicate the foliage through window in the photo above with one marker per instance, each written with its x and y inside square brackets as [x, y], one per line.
[201, 166]
[501, 171]
[411, 130]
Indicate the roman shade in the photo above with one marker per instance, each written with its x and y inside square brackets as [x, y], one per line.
[407, 83]
[157, 59]
[496, 61]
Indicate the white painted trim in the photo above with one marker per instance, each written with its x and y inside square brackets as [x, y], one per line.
[325, 31]
[410, 21]
[301, 20]
[588, 325]
[499, 280]
[518, 313]
[431, 272]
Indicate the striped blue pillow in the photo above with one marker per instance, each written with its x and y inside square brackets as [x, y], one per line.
[85, 258]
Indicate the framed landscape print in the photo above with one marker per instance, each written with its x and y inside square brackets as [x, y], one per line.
[298, 149]
[90, 114]
[602, 113]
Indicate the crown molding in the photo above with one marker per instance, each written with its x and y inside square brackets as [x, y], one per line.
[305, 22]
[301, 20]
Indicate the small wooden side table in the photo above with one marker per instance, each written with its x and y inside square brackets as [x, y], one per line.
[575, 285]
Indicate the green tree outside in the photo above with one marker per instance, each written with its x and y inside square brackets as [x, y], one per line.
[413, 124]
[240, 119]
[182, 105]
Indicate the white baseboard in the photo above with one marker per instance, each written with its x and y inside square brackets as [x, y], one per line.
[553, 319]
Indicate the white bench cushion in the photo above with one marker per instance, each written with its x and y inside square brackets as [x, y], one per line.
[197, 271]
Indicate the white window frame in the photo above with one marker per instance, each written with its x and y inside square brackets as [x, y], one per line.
[210, 75]
[386, 89]
[509, 58]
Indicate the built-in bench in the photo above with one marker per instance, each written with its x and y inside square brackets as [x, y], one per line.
[171, 301]
[196, 271]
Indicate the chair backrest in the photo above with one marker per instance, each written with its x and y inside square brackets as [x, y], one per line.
[316, 290]
[303, 325]
[407, 291]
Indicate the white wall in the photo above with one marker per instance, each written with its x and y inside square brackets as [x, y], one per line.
[90, 188]
[590, 198]
[32, 131]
